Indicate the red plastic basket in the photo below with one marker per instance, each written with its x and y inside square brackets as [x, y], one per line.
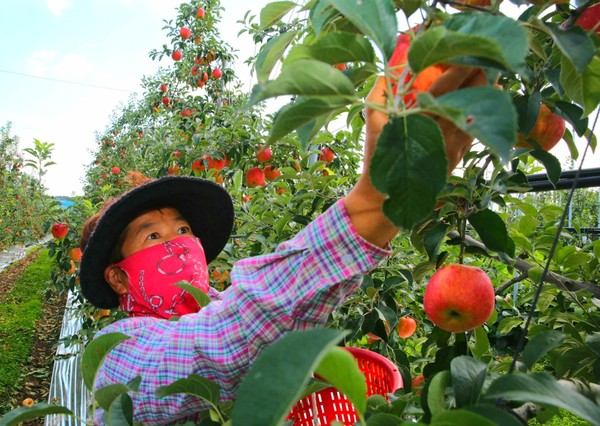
[323, 407]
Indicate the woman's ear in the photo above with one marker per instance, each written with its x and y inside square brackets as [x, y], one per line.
[117, 279]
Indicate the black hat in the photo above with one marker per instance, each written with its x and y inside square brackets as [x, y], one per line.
[204, 204]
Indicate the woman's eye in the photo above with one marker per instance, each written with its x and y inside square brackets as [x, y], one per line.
[153, 236]
[184, 230]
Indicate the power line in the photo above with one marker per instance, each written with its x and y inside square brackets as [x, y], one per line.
[68, 82]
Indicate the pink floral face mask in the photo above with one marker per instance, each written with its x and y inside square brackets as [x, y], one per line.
[152, 273]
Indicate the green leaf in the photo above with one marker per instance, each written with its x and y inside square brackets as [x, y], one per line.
[275, 380]
[307, 132]
[468, 375]
[120, 412]
[480, 343]
[507, 324]
[273, 12]
[572, 113]
[302, 112]
[433, 238]
[551, 164]
[574, 43]
[192, 385]
[305, 77]
[491, 229]
[94, 355]
[408, 149]
[375, 18]
[460, 418]
[105, 396]
[474, 39]
[341, 370]
[200, 296]
[528, 108]
[340, 47]
[386, 419]
[575, 360]
[19, 415]
[486, 113]
[436, 394]
[583, 88]
[496, 415]
[358, 75]
[540, 345]
[543, 389]
[271, 53]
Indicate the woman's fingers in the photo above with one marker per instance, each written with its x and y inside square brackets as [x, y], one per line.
[457, 77]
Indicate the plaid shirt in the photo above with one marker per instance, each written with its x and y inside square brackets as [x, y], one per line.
[294, 288]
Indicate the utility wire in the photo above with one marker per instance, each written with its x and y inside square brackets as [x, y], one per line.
[68, 82]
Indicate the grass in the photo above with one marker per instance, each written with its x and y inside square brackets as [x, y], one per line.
[19, 312]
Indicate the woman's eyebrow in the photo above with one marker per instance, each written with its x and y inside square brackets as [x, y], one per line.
[141, 228]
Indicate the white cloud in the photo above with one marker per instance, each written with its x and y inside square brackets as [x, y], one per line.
[38, 63]
[57, 7]
[68, 66]
[73, 66]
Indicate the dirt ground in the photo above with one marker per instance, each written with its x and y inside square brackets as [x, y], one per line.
[37, 370]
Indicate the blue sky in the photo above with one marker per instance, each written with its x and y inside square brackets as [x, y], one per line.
[102, 44]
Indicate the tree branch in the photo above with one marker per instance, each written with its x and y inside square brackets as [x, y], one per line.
[560, 281]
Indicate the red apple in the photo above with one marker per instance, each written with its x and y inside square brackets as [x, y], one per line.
[164, 87]
[255, 177]
[422, 82]
[406, 327]
[459, 298]
[166, 100]
[185, 33]
[177, 55]
[198, 165]
[217, 73]
[416, 382]
[200, 13]
[271, 173]
[28, 402]
[327, 155]
[217, 163]
[115, 170]
[547, 131]
[75, 254]
[59, 230]
[263, 155]
[590, 18]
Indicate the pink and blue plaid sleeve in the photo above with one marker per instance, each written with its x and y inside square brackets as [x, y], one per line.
[296, 287]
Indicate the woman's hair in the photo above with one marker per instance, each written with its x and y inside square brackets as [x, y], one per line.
[132, 180]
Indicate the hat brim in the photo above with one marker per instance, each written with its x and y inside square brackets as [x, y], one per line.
[204, 204]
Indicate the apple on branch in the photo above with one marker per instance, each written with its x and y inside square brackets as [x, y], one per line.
[547, 131]
[59, 230]
[459, 298]
[263, 154]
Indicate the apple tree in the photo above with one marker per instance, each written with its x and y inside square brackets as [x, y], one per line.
[539, 348]
[22, 219]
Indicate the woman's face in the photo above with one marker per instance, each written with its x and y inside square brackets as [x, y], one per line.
[154, 227]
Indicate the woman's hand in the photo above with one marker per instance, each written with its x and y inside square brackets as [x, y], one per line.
[364, 203]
